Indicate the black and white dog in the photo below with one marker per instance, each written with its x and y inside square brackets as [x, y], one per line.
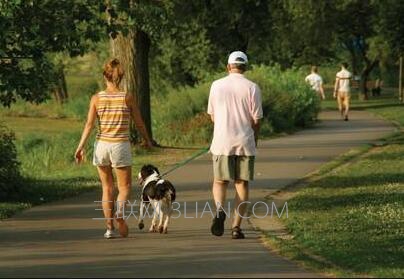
[158, 193]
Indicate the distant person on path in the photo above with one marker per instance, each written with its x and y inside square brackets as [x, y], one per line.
[113, 109]
[377, 87]
[235, 109]
[342, 90]
[316, 82]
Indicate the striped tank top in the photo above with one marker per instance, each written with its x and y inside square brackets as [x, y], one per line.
[113, 117]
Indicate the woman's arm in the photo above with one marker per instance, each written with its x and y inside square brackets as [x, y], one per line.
[138, 121]
[92, 115]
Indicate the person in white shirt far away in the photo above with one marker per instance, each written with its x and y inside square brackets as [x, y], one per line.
[316, 82]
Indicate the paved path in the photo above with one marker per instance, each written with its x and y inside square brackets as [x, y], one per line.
[62, 240]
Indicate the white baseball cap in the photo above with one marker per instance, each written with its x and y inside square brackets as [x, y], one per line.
[237, 57]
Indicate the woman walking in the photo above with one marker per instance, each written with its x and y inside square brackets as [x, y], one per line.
[112, 150]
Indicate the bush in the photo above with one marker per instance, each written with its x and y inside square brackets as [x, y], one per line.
[288, 103]
[9, 165]
[179, 118]
[50, 155]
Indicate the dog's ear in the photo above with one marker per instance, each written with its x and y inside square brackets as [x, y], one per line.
[156, 170]
[148, 170]
[145, 171]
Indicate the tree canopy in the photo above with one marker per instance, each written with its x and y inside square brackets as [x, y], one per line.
[30, 31]
[190, 39]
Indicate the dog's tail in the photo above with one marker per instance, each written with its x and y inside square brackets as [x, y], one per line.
[172, 194]
[171, 191]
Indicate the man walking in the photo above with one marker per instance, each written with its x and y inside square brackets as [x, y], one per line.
[316, 82]
[235, 108]
[342, 90]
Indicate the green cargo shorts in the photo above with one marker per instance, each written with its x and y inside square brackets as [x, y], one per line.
[233, 167]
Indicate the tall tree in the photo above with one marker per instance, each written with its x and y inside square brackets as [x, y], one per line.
[355, 27]
[132, 26]
[29, 30]
[303, 32]
[391, 24]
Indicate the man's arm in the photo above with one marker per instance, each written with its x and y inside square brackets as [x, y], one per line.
[255, 124]
[322, 91]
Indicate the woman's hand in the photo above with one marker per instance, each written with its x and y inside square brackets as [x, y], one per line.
[149, 144]
[92, 115]
[79, 155]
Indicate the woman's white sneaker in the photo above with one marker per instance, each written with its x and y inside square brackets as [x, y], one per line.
[110, 234]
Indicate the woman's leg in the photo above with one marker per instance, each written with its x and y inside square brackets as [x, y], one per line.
[124, 181]
[107, 181]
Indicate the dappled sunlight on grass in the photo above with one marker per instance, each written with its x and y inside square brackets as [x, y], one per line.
[354, 216]
[46, 152]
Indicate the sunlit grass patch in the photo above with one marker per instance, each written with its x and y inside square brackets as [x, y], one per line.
[354, 217]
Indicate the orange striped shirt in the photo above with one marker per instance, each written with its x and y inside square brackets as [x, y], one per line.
[113, 117]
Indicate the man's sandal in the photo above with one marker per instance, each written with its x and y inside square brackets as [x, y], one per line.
[236, 233]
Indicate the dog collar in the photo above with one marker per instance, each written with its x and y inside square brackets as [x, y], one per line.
[153, 177]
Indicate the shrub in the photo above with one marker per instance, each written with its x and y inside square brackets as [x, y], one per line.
[9, 165]
[288, 102]
[179, 118]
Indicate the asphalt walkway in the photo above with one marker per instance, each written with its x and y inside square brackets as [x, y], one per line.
[62, 240]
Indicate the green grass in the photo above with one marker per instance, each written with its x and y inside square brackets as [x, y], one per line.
[351, 219]
[45, 148]
[386, 101]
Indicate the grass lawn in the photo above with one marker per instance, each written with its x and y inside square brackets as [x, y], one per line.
[45, 148]
[352, 218]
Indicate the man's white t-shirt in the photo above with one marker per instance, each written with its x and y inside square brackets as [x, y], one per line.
[234, 102]
[344, 83]
[315, 81]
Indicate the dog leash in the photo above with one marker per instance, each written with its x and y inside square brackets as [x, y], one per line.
[184, 162]
[138, 190]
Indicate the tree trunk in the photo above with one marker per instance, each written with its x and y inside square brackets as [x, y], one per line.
[400, 80]
[60, 91]
[133, 52]
[364, 78]
[354, 61]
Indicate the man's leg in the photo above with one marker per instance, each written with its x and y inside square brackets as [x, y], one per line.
[240, 205]
[244, 173]
[340, 101]
[223, 168]
[219, 196]
[219, 193]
